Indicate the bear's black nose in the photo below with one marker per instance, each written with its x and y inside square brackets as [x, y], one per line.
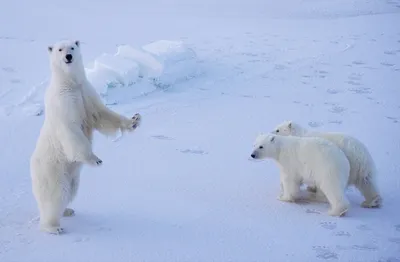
[253, 155]
[68, 57]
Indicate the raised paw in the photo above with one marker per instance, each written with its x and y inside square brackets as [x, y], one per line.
[95, 161]
[136, 120]
[69, 212]
[131, 124]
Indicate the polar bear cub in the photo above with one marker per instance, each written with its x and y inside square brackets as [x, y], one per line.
[307, 160]
[363, 172]
[73, 110]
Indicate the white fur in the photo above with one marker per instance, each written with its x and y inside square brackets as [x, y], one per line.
[363, 173]
[307, 160]
[73, 110]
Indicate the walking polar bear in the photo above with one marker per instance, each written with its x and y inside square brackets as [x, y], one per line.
[363, 173]
[310, 160]
[73, 110]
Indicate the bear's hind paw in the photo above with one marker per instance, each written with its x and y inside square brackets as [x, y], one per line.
[374, 203]
[69, 212]
[286, 198]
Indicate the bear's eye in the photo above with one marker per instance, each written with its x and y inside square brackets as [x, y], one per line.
[60, 49]
[277, 131]
[261, 147]
[72, 48]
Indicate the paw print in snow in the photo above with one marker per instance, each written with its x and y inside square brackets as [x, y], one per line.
[324, 252]
[328, 225]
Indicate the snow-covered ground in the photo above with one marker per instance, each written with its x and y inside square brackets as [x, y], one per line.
[182, 187]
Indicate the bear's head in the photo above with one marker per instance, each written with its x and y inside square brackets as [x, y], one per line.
[265, 146]
[66, 58]
[288, 128]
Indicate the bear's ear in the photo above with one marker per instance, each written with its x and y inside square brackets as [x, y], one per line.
[77, 43]
[290, 124]
[50, 49]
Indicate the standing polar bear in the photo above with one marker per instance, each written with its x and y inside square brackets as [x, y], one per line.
[362, 167]
[73, 110]
[307, 160]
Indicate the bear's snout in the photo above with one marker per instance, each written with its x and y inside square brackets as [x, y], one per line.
[69, 58]
[253, 155]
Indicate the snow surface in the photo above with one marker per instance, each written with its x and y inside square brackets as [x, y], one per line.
[182, 187]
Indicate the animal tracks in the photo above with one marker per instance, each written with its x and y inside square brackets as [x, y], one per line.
[328, 225]
[391, 52]
[81, 239]
[337, 109]
[358, 62]
[324, 252]
[393, 119]
[363, 228]
[194, 151]
[342, 234]
[184, 151]
[360, 90]
[8, 69]
[315, 124]
[332, 91]
[336, 122]
[390, 259]
[162, 137]
[312, 211]
[364, 247]
[387, 64]
[395, 240]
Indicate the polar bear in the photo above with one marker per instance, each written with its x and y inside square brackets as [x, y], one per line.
[73, 110]
[363, 172]
[307, 160]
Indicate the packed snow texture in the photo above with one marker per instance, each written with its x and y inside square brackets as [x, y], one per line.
[182, 187]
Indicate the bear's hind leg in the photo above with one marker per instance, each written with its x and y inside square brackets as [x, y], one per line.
[369, 190]
[50, 215]
[337, 199]
[74, 186]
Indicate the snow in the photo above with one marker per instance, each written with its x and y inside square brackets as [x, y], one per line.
[182, 187]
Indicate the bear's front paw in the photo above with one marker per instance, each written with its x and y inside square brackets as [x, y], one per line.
[136, 120]
[286, 198]
[53, 230]
[133, 123]
[95, 161]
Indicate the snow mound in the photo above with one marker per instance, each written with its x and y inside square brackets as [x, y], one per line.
[130, 73]
[164, 63]
[111, 71]
[149, 66]
[178, 61]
